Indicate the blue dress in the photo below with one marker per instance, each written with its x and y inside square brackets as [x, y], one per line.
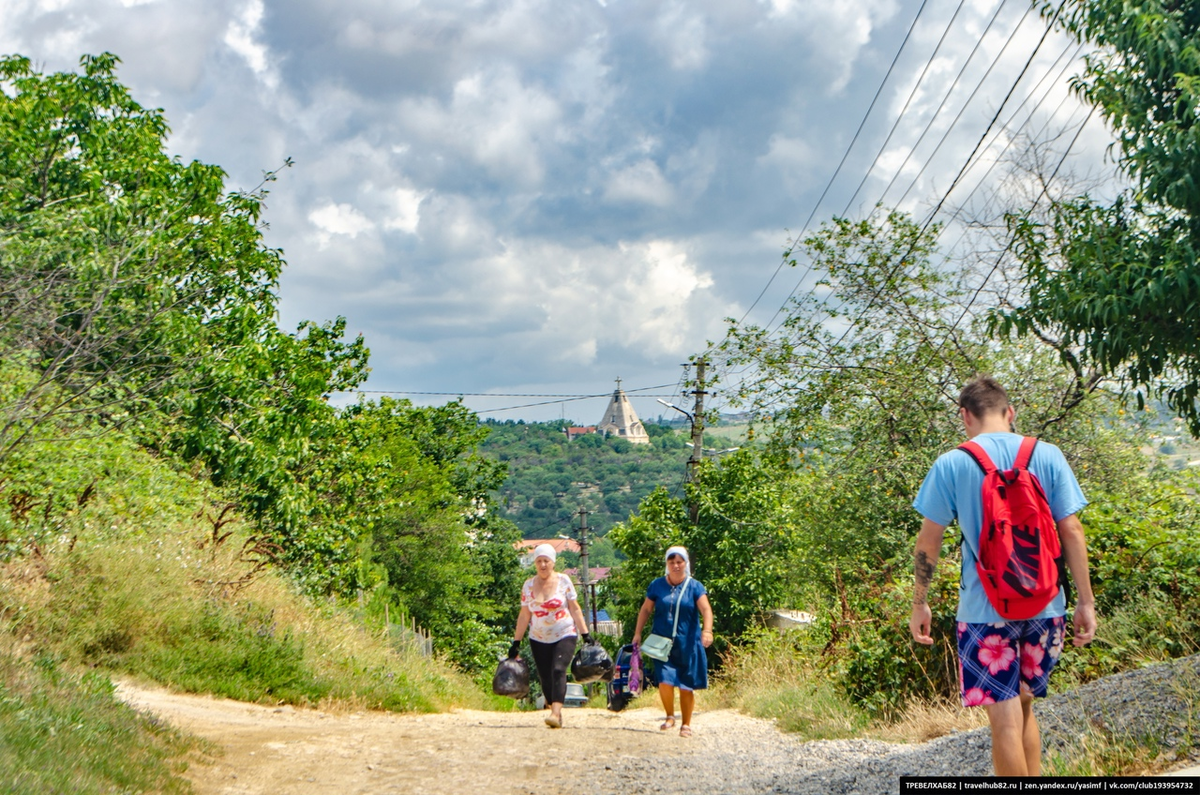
[687, 666]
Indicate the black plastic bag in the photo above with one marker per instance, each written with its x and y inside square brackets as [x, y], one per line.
[591, 663]
[511, 679]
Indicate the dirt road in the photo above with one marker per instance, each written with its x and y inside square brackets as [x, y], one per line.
[287, 750]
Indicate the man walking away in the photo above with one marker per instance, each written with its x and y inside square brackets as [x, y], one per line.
[1003, 663]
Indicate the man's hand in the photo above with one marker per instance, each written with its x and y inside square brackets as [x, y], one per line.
[1084, 622]
[919, 623]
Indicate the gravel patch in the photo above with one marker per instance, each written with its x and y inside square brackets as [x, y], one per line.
[1157, 706]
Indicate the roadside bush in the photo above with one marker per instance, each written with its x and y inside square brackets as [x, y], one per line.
[1144, 547]
[882, 669]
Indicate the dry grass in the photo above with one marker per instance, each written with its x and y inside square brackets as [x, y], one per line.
[152, 605]
[924, 722]
[772, 678]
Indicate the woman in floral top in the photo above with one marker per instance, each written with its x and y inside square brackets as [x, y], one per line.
[550, 610]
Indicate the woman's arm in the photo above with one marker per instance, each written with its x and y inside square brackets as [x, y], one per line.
[706, 615]
[522, 624]
[577, 614]
[643, 616]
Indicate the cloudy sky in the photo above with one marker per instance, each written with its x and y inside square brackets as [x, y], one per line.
[535, 197]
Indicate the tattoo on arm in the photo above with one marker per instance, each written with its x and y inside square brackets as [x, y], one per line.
[923, 569]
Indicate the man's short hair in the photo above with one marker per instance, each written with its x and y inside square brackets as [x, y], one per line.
[982, 396]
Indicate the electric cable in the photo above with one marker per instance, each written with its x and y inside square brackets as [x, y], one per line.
[912, 94]
[882, 148]
[957, 118]
[945, 196]
[845, 155]
[1045, 188]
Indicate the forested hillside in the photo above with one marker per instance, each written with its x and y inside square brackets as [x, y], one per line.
[550, 479]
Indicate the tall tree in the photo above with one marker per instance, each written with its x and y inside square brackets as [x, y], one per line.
[136, 289]
[1118, 282]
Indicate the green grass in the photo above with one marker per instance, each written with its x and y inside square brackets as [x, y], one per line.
[807, 706]
[1103, 752]
[64, 733]
[141, 580]
[1149, 748]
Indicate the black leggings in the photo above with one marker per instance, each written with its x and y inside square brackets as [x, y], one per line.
[552, 660]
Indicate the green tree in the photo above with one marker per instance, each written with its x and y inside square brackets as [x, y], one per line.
[1118, 283]
[739, 546]
[438, 553]
[140, 292]
[859, 394]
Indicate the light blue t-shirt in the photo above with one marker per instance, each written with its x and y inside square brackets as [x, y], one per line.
[951, 491]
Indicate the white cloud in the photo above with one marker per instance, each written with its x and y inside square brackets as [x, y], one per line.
[338, 219]
[240, 37]
[406, 210]
[649, 297]
[660, 287]
[683, 33]
[493, 118]
[640, 183]
[834, 33]
[465, 169]
[789, 160]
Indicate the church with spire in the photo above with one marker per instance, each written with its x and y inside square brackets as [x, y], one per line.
[621, 421]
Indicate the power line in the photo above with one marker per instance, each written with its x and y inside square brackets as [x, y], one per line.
[1011, 239]
[895, 125]
[913, 93]
[958, 117]
[506, 394]
[845, 155]
[1013, 137]
[900, 263]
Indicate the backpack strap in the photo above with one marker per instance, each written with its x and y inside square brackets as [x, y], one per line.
[979, 455]
[1025, 454]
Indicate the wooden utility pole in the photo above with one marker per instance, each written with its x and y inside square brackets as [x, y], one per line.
[589, 605]
[697, 436]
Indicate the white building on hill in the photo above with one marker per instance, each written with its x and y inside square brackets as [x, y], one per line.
[621, 420]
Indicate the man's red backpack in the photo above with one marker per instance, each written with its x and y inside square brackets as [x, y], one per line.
[1020, 558]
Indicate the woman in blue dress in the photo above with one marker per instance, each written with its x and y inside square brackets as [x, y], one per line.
[686, 667]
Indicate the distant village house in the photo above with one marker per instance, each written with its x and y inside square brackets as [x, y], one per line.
[575, 431]
[560, 545]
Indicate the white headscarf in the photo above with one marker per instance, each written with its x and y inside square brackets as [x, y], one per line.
[544, 551]
[683, 553]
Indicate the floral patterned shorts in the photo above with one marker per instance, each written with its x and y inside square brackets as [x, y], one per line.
[1000, 661]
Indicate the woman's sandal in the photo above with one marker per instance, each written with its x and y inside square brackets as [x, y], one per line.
[685, 731]
[553, 722]
[668, 723]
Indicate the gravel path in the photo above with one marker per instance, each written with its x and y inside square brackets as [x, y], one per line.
[1155, 706]
[284, 750]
